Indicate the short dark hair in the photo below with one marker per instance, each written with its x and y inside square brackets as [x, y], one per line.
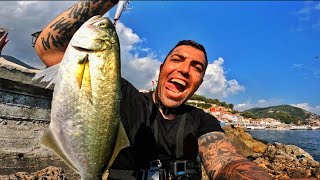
[193, 44]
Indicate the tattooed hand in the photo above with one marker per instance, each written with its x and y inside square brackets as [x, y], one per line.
[222, 161]
[53, 40]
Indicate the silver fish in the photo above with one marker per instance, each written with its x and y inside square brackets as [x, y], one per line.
[85, 128]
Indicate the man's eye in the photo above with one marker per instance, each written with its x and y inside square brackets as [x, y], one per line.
[175, 60]
[198, 69]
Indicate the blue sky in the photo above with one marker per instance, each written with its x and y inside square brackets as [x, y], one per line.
[260, 53]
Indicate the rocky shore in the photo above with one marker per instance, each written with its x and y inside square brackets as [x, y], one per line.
[281, 161]
[48, 173]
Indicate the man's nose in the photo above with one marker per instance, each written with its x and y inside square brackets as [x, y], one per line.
[184, 68]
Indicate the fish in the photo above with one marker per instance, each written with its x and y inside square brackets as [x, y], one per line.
[122, 6]
[85, 129]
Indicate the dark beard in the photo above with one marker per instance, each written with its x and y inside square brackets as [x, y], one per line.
[165, 110]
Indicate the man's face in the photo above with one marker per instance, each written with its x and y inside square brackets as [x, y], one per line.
[180, 75]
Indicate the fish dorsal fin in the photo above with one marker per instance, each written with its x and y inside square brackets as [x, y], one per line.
[49, 141]
[122, 141]
[49, 75]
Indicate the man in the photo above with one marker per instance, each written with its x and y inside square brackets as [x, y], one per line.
[165, 134]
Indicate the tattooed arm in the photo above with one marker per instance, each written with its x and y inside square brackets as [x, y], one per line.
[53, 40]
[221, 160]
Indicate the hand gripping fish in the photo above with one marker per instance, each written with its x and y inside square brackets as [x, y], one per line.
[85, 128]
[122, 6]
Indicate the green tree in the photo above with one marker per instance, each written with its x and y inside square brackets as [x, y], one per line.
[224, 104]
[247, 114]
[204, 105]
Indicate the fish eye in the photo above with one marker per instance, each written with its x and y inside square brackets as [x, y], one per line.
[103, 24]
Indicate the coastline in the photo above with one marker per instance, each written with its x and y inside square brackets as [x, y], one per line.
[309, 140]
[25, 113]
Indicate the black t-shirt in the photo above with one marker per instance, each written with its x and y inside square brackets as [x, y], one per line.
[138, 113]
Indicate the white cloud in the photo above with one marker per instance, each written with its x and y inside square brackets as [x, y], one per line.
[305, 10]
[145, 49]
[316, 25]
[24, 18]
[139, 70]
[306, 71]
[308, 16]
[243, 106]
[304, 106]
[262, 101]
[296, 65]
[127, 38]
[215, 83]
[307, 107]
[317, 6]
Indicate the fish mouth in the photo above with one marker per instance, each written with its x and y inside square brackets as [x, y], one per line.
[78, 48]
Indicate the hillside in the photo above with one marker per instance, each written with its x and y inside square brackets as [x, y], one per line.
[208, 102]
[285, 113]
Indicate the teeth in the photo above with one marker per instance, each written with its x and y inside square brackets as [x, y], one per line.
[182, 83]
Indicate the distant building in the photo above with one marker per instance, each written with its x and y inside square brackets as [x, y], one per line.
[3, 38]
[196, 101]
[218, 109]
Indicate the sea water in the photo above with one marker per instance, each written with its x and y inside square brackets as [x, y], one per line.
[308, 140]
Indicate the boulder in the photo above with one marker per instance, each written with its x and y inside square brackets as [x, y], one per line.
[48, 173]
[283, 161]
[243, 141]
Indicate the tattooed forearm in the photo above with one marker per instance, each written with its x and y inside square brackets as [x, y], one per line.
[243, 169]
[62, 28]
[52, 42]
[216, 152]
[222, 161]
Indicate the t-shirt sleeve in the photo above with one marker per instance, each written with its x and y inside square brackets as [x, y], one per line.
[208, 123]
[132, 108]
[127, 90]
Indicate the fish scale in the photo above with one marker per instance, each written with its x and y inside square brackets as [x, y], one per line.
[85, 128]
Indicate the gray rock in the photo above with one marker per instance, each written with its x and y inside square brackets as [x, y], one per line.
[283, 161]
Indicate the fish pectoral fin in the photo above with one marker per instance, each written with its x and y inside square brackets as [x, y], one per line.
[122, 141]
[83, 77]
[50, 142]
[49, 75]
[81, 68]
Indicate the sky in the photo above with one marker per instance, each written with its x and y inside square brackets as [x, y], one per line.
[261, 53]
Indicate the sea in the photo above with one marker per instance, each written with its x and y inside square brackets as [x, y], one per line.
[308, 140]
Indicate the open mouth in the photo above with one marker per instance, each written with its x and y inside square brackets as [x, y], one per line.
[177, 86]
